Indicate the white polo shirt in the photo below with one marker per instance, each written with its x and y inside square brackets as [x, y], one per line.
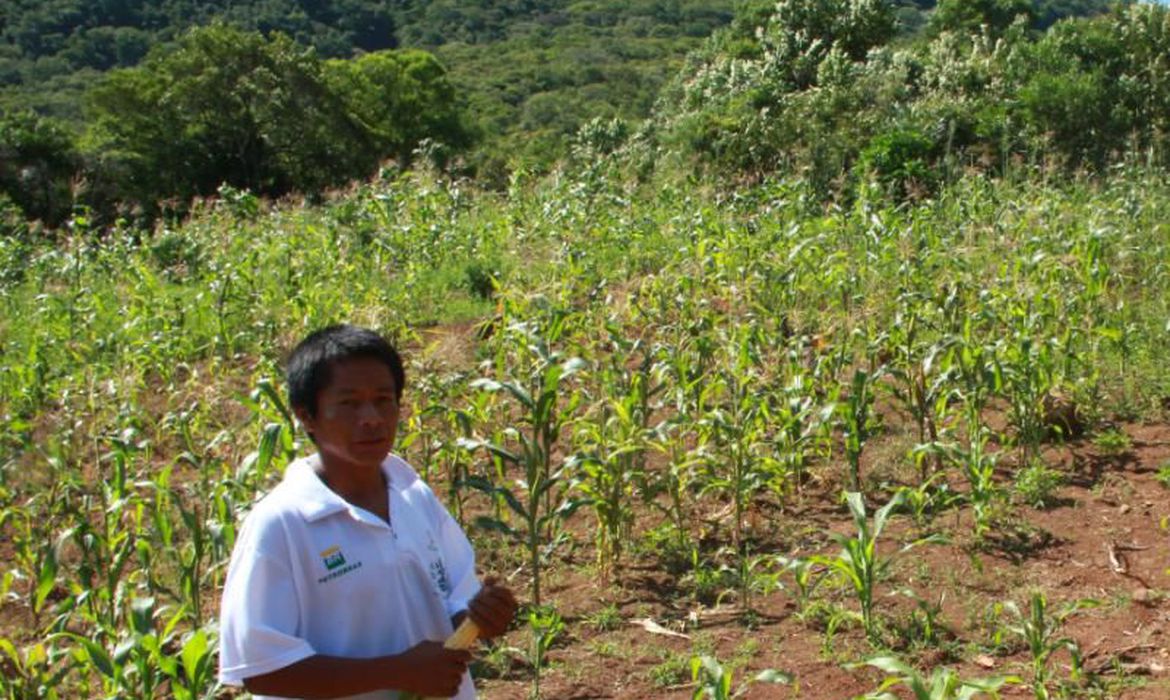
[313, 574]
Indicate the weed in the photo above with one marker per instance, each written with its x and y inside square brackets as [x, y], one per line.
[1036, 485]
[1163, 475]
[670, 672]
[606, 619]
[1113, 442]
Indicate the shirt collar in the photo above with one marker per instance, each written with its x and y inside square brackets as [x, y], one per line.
[315, 500]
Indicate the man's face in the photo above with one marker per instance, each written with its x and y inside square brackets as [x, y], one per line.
[357, 414]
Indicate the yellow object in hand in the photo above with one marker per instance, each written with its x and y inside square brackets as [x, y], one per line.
[463, 637]
[460, 639]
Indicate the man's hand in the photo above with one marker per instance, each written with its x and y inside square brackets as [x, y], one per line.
[492, 609]
[431, 671]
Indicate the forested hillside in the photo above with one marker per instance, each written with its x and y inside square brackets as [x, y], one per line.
[529, 72]
[538, 68]
[130, 109]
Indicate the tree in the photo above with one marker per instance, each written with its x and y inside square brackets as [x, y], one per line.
[225, 106]
[968, 16]
[401, 98]
[802, 33]
[37, 164]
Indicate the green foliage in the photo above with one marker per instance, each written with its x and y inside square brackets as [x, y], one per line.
[713, 680]
[546, 626]
[1036, 484]
[802, 34]
[901, 162]
[859, 565]
[136, 420]
[37, 162]
[531, 72]
[1163, 475]
[224, 106]
[1039, 629]
[815, 89]
[402, 98]
[942, 684]
[971, 16]
[264, 115]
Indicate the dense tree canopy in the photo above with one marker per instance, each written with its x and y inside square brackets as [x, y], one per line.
[262, 114]
[37, 162]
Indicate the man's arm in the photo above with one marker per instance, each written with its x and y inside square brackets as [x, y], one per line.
[426, 669]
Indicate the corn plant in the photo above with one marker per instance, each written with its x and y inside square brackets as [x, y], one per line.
[106, 548]
[1039, 630]
[1029, 363]
[543, 409]
[146, 659]
[920, 383]
[606, 475]
[443, 427]
[36, 560]
[800, 428]
[807, 575]
[736, 429]
[679, 476]
[714, 681]
[942, 684]
[611, 461]
[858, 563]
[977, 464]
[930, 497]
[35, 671]
[855, 416]
[979, 375]
[546, 626]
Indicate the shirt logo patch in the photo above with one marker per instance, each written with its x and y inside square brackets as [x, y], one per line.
[333, 558]
[336, 565]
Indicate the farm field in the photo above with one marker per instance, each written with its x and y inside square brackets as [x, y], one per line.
[685, 422]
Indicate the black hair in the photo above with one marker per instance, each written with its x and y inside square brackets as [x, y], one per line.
[311, 362]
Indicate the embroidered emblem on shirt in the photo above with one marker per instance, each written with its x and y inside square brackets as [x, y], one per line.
[333, 558]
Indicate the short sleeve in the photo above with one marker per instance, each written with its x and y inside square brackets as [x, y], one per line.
[458, 559]
[259, 617]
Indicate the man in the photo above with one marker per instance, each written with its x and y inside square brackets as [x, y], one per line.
[346, 578]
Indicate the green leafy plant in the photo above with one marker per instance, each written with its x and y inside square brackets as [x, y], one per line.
[543, 411]
[714, 681]
[1040, 631]
[1113, 442]
[1163, 475]
[859, 563]
[929, 498]
[1037, 483]
[546, 626]
[855, 417]
[942, 683]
